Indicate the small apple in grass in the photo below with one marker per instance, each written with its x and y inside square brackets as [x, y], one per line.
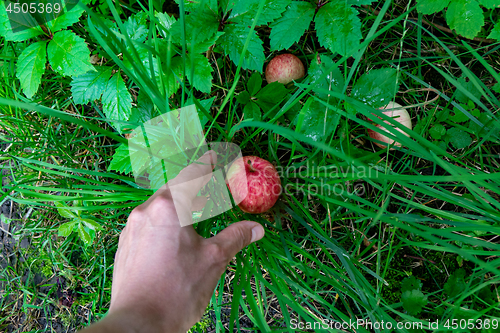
[284, 68]
[395, 111]
[254, 183]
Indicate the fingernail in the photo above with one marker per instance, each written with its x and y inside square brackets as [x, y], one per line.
[257, 233]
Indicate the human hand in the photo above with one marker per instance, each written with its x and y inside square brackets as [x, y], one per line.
[165, 274]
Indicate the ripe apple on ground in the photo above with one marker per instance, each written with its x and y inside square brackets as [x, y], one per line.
[399, 114]
[285, 68]
[254, 183]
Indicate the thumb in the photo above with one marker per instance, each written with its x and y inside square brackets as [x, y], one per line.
[237, 236]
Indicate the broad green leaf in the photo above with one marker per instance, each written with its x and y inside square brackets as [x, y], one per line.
[90, 86]
[68, 54]
[64, 210]
[116, 100]
[338, 27]
[470, 87]
[121, 160]
[377, 87]
[413, 301]
[207, 104]
[243, 97]
[201, 71]
[270, 95]
[166, 21]
[437, 131]
[254, 83]
[6, 30]
[458, 116]
[431, 6]
[200, 31]
[233, 42]
[84, 235]
[291, 26]
[359, 2]
[465, 17]
[66, 229]
[333, 80]
[455, 283]
[65, 20]
[490, 4]
[199, 5]
[496, 87]
[144, 111]
[252, 111]
[410, 283]
[478, 130]
[244, 12]
[91, 224]
[135, 27]
[316, 121]
[495, 34]
[31, 66]
[459, 138]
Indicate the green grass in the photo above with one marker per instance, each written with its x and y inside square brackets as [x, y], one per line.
[419, 210]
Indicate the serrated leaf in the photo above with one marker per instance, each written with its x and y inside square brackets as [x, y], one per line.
[200, 31]
[31, 66]
[459, 138]
[338, 27]
[66, 229]
[437, 131]
[199, 5]
[428, 7]
[291, 26]
[68, 54]
[166, 21]
[413, 301]
[410, 283]
[468, 86]
[91, 224]
[252, 111]
[243, 97]
[465, 17]
[201, 71]
[65, 20]
[116, 100]
[90, 86]
[145, 109]
[316, 121]
[495, 34]
[458, 116]
[334, 81]
[84, 235]
[254, 83]
[64, 210]
[244, 12]
[233, 41]
[121, 160]
[455, 283]
[377, 87]
[135, 27]
[270, 95]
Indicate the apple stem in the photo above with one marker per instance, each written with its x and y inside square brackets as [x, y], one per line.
[251, 167]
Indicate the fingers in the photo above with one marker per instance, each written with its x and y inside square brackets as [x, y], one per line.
[237, 236]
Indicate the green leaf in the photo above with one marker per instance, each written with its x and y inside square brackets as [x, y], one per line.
[377, 87]
[468, 86]
[233, 41]
[495, 34]
[199, 5]
[202, 72]
[455, 284]
[478, 130]
[334, 81]
[359, 2]
[145, 110]
[437, 131]
[459, 138]
[428, 7]
[243, 97]
[90, 86]
[200, 31]
[291, 26]
[66, 229]
[490, 4]
[68, 54]
[316, 121]
[496, 87]
[166, 21]
[270, 95]
[116, 100]
[443, 114]
[244, 12]
[338, 27]
[65, 20]
[31, 66]
[6, 30]
[135, 27]
[91, 224]
[207, 104]
[458, 116]
[413, 301]
[465, 17]
[252, 111]
[121, 160]
[64, 210]
[84, 235]
[254, 83]
[410, 283]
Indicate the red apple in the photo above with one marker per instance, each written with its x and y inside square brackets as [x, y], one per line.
[285, 68]
[254, 183]
[395, 111]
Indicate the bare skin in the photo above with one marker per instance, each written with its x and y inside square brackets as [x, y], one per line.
[165, 274]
